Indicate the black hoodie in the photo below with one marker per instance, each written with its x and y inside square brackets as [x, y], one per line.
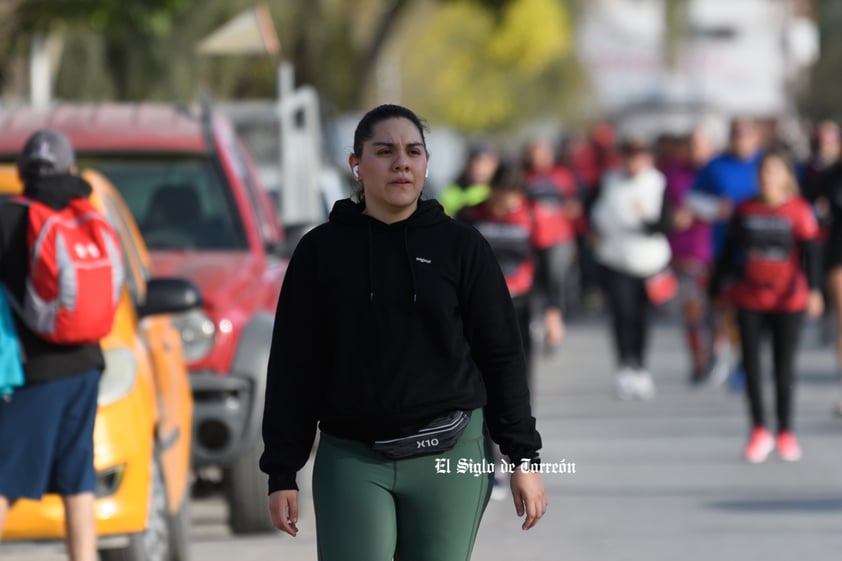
[43, 360]
[382, 327]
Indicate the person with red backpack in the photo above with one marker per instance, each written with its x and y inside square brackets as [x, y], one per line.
[61, 268]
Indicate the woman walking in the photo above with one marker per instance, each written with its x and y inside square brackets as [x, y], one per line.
[629, 217]
[691, 243]
[396, 336]
[552, 191]
[771, 258]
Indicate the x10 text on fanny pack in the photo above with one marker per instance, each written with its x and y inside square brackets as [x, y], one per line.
[75, 273]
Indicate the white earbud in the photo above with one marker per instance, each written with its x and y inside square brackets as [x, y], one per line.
[356, 172]
[426, 172]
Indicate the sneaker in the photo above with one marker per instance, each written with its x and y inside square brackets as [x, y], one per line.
[788, 448]
[625, 384]
[644, 387]
[698, 377]
[718, 373]
[759, 445]
[720, 367]
[737, 381]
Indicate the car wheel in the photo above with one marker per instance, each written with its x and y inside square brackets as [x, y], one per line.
[246, 494]
[153, 544]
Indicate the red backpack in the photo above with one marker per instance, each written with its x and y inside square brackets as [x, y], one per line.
[75, 273]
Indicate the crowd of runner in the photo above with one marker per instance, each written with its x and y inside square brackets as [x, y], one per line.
[742, 238]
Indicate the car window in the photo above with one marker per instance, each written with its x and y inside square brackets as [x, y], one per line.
[239, 162]
[267, 233]
[179, 203]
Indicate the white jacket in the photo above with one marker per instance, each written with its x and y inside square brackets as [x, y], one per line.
[625, 204]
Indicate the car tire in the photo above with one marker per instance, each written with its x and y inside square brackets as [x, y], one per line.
[246, 492]
[153, 544]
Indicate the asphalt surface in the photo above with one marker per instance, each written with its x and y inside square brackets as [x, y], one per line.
[654, 481]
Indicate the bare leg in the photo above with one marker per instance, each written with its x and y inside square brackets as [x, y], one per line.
[81, 527]
[4, 511]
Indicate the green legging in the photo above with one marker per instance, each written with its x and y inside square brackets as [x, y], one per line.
[369, 508]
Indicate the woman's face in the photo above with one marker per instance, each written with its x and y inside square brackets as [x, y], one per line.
[482, 167]
[637, 162]
[775, 181]
[392, 168]
[541, 155]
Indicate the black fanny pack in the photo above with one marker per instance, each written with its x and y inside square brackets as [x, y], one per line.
[438, 435]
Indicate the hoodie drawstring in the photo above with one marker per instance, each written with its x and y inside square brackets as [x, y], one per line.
[409, 263]
[370, 264]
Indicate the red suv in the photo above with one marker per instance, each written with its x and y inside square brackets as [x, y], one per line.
[193, 190]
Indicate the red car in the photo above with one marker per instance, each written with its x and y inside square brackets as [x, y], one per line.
[193, 190]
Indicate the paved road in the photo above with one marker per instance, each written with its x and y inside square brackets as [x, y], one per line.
[654, 481]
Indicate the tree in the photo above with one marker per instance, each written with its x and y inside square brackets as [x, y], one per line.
[481, 63]
[478, 70]
[824, 97]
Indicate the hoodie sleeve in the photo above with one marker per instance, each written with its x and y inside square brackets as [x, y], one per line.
[491, 330]
[292, 386]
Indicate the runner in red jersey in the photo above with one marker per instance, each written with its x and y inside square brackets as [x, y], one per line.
[771, 259]
[510, 223]
[551, 188]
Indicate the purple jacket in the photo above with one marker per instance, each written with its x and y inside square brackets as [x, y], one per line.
[696, 242]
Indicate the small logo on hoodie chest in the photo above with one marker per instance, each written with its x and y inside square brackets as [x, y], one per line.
[423, 260]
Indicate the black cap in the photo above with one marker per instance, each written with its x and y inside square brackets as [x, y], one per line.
[46, 152]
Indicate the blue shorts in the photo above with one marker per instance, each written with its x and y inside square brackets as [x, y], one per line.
[47, 438]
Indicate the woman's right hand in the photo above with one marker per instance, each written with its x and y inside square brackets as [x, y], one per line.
[283, 508]
[815, 304]
[682, 219]
[529, 496]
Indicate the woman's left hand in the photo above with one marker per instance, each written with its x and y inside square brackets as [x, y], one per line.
[529, 496]
[815, 304]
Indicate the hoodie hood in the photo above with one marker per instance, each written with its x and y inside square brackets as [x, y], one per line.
[428, 213]
[56, 191]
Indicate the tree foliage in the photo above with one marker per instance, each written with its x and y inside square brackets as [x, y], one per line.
[467, 67]
[823, 98]
[465, 62]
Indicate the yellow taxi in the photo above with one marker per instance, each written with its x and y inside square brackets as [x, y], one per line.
[145, 405]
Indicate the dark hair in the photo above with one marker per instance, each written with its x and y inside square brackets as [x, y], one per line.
[365, 128]
[633, 145]
[507, 178]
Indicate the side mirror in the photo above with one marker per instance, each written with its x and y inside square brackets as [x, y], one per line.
[170, 296]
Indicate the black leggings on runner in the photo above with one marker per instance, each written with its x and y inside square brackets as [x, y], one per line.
[629, 306]
[785, 328]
